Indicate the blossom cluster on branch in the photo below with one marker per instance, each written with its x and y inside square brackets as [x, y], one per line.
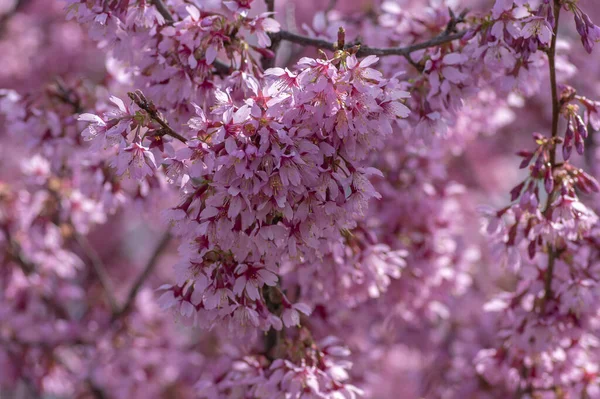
[280, 199]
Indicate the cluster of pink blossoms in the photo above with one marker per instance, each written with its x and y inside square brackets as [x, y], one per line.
[272, 180]
[548, 237]
[324, 203]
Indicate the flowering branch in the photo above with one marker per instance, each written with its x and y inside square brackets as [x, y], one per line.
[276, 179]
[552, 254]
[152, 262]
[142, 102]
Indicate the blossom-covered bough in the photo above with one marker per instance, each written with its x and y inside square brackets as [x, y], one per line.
[248, 199]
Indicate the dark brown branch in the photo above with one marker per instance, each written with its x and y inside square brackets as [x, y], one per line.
[98, 268]
[436, 41]
[269, 62]
[552, 252]
[270, 5]
[221, 68]
[147, 105]
[454, 20]
[164, 11]
[148, 269]
[450, 34]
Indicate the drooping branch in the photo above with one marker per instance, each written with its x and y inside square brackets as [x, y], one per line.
[148, 269]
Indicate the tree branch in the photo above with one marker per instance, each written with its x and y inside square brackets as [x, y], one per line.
[450, 34]
[270, 5]
[552, 252]
[148, 269]
[164, 11]
[266, 62]
[98, 268]
[366, 50]
[221, 68]
[142, 102]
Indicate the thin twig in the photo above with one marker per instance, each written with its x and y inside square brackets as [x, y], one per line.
[98, 268]
[164, 11]
[147, 105]
[148, 269]
[269, 62]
